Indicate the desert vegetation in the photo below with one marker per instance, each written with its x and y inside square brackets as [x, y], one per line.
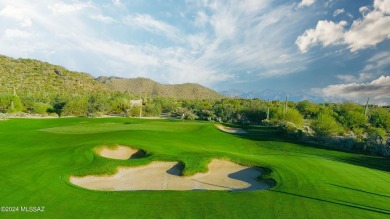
[31, 87]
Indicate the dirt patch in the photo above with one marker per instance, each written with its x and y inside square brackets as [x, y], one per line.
[222, 175]
[120, 152]
[230, 129]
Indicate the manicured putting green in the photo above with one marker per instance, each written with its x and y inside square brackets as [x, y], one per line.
[39, 156]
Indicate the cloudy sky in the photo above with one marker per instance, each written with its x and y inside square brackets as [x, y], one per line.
[324, 47]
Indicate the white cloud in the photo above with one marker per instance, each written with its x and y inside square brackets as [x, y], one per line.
[197, 41]
[182, 71]
[80, 46]
[372, 29]
[378, 90]
[326, 33]
[306, 3]
[374, 67]
[17, 13]
[102, 18]
[338, 12]
[130, 54]
[16, 33]
[117, 2]
[364, 10]
[362, 77]
[224, 27]
[201, 19]
[253, 40]
[147, 22]
[369, 31]
[68, 8]
[252, 6]
[230, 38]
[378, 61]
[382, 5]
[329, 4]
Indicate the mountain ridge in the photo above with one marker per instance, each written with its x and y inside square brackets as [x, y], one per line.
[38, 78]
[147, 87]
[271, 94]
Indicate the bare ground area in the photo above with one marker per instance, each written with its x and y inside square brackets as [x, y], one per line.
[222, 175]
[230, 129]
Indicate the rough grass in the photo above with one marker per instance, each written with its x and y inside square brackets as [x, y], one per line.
[37, 157]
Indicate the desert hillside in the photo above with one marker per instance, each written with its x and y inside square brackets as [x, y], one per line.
[146, 87]
[34, 77]
[30, 76]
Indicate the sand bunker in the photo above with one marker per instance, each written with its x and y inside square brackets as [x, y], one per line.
[222, 175]
[230, 129]
[120, 152]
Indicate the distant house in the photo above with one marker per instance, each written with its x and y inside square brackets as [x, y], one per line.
[135, 102]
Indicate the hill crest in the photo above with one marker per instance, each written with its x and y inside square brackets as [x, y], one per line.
[30, 76]
[146, 87]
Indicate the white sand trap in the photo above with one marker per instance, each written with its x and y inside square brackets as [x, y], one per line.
[222, 175]
[119, 152]
[230, 129]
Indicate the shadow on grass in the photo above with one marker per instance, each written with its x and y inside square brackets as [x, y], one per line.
[379, 163]
[263, 134]
[342, 203]
[358, 190]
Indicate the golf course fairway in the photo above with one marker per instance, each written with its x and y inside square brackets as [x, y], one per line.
[39, 156]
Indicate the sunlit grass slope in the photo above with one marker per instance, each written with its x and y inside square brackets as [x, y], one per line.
[38, 156]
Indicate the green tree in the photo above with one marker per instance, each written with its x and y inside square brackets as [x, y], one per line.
[58, 105]
[376, 135]
[325, 125]
[10, 103]
[76, 106]
[152, 108]
[355, 120]
[41, 108]
[15, 105]
[380, 118]
[346, 113]
[134, 111]
[97, 103]
[292, 115]
[119, 105]
[308, 109]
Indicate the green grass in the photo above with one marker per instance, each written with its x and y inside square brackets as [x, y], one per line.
[38, 156]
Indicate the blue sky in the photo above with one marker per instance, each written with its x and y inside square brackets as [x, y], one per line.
[327, 48]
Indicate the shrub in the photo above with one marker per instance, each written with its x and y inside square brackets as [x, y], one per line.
[41, 108]
[292, 116]
[376, 135]
[380, 118]
[325, 125]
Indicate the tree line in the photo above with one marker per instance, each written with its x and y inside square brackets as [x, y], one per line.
[332, 123]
